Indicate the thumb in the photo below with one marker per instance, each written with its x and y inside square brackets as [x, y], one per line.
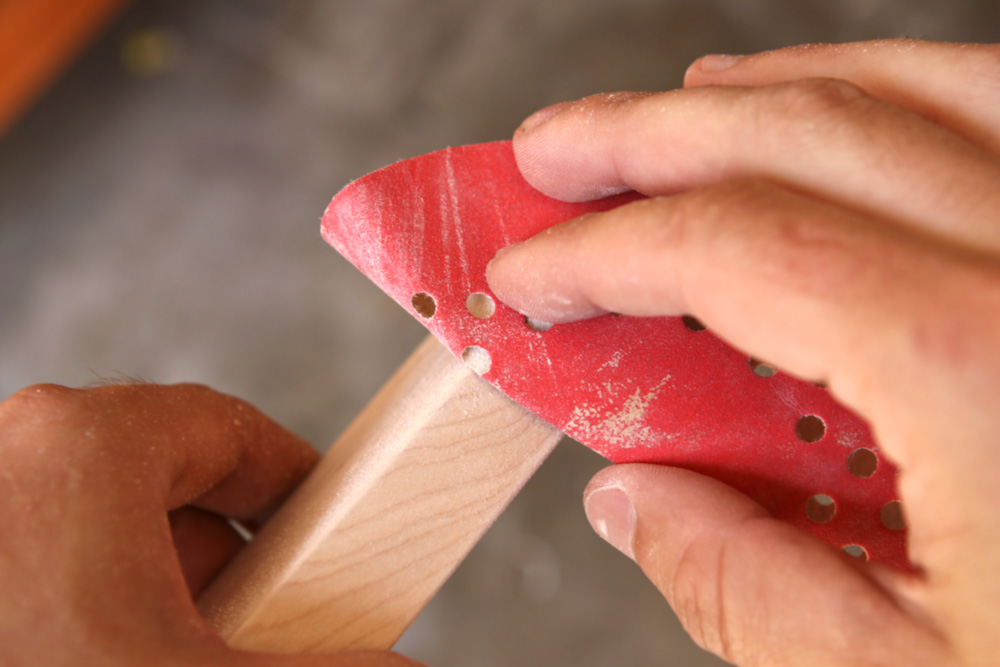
[747, 587]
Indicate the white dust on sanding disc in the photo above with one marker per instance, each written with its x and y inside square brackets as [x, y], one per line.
[624, 427]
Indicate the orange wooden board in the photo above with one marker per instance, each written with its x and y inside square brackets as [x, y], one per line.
[38, 38]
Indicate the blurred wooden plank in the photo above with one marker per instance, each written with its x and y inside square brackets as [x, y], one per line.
[38, 38]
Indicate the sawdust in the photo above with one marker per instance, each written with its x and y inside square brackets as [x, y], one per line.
[613, 362]
[451, 209]
[623, 427]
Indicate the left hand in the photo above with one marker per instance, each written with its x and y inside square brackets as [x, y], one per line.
[93, 572]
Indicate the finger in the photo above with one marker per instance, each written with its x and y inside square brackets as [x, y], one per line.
[189, 443]
[747, 587]
[89, 476]
[896, 326]
[205, 542]
[823, 137]
[957, 85]
[237, 462]
[822, 292]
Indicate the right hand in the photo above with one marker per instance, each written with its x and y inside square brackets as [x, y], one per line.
[836, 211]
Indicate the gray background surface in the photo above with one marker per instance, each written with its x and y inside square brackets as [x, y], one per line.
[165, 226]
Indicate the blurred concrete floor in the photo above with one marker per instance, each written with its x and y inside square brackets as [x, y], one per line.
[165, 226]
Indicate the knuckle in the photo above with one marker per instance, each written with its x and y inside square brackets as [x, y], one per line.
[984, 70]
[812, 98]
[217, 411]
[733, 212]
[706, 209]
[737, 223]
[802, 241]
[802, 113]
[986, 60]
[33, 409]
[193, 389]
[212, 400]
[40, 401]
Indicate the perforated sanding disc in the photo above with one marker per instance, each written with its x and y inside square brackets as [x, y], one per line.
[660, 390]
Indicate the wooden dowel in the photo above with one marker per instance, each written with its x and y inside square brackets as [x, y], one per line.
[362, 546]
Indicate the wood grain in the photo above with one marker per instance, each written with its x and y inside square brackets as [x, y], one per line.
[37, 39]
[355, 554]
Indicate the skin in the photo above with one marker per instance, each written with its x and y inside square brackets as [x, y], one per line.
[833, 209]
[111, 501]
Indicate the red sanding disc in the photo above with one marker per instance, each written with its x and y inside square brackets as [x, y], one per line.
[659, 390]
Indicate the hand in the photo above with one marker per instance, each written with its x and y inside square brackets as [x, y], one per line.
[836, 211]
[92, 571]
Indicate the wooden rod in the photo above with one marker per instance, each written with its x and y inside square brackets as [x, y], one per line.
[404, 494]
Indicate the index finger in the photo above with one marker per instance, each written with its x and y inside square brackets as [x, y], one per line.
[899, 326]
[87, 477]
[183, 444]
[884, 316]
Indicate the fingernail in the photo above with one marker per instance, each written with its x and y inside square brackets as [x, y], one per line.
[523, 278]
[612, 516]
[718, 62]
[541, 116]
[491, 271]
[503, 251]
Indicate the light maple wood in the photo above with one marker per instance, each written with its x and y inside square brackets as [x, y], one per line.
[355, 554]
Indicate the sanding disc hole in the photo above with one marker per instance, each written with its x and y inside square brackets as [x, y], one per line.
[692, 323]
[862, 462]
[537, 325]
[856, 551]
[821, 508]
[424, 304]
[477, 359]
[480, 305]
[892, 516]
[810, 429]
[761, 369]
